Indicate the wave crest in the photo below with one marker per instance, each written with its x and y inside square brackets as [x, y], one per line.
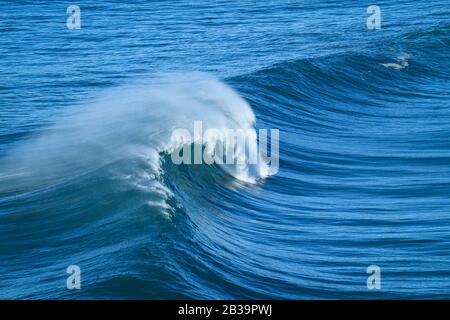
[133, 122]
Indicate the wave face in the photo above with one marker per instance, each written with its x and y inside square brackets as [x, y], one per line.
[364, 157]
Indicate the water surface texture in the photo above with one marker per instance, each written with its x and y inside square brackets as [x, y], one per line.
[86, 176]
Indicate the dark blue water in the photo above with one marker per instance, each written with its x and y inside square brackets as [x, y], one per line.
[86, 178]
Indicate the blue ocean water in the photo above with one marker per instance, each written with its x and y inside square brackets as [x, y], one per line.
[86, 178]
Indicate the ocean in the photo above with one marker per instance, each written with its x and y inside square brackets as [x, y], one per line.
[87, 181]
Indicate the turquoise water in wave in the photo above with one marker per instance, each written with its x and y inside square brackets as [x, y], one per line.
[86, 178]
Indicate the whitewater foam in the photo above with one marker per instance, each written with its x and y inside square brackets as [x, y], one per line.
[132, 122]
[402, 62]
